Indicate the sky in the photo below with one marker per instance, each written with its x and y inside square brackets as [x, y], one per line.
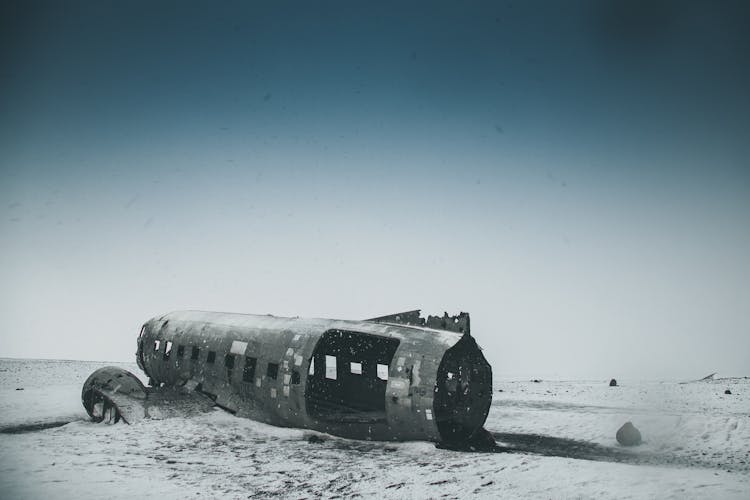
[574, 174]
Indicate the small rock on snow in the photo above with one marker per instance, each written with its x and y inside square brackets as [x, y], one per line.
[628, 435]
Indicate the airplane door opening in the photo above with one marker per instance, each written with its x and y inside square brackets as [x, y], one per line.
[347, 381]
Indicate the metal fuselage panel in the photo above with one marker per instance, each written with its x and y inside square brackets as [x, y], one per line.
[260, 365]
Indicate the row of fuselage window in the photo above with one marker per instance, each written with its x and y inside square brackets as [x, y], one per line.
[355, 368]
[272, 369]
[248, 371]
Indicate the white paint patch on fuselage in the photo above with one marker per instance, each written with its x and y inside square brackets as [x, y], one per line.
[238, 347]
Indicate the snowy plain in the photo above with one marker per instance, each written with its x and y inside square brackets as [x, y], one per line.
[561, 433]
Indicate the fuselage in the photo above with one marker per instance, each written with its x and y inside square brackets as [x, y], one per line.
[357, 379]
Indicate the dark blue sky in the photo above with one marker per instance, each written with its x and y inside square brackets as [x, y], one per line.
[575, 174]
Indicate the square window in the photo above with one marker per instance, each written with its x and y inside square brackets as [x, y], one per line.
[331, 367]
[382, 372]
[211, 357]
[248, 372]
[355, 368]
[229, 361]
[180, 351]
[272, 370]
[295, 377]
[195, 353]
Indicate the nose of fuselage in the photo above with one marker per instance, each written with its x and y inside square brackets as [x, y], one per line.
[463, 392]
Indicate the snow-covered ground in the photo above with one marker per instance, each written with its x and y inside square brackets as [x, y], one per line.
[696, 445]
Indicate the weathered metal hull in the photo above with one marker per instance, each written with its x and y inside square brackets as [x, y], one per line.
[356, 379]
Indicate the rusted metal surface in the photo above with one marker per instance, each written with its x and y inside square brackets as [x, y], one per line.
[382, 379]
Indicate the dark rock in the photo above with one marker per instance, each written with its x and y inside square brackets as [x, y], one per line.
[19, 388]
[613, 383]
[628, 435]
[536, 380]
[727, 392]
[315, 439]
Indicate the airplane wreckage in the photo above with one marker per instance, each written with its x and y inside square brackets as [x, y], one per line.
[398, 377]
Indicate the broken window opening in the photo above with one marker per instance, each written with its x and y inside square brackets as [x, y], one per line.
[229, 364]
[248, 372]
[272, 370]
[195, 354]
[167, 349]
[211, 357]
[295, 377]
[348, 377]
[331, 367]
[180, 351]
[157, 343]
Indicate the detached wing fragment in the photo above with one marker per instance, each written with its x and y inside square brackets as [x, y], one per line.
[111, 394]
